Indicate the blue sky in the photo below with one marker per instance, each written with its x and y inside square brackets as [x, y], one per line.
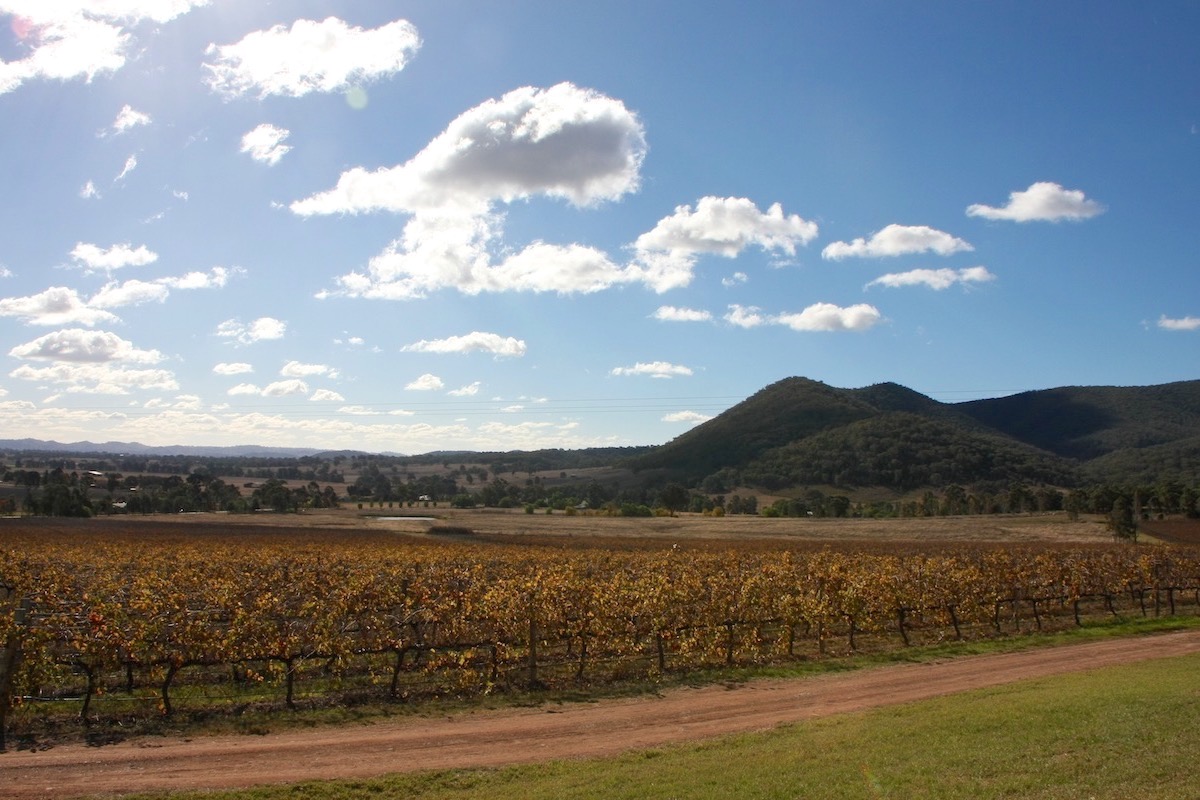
[416, 226]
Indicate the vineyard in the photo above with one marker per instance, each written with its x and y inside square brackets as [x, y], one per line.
[111, 628]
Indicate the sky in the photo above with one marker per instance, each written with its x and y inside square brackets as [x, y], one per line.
[446, 225]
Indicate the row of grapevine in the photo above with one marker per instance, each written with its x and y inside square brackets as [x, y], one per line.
[458, 617]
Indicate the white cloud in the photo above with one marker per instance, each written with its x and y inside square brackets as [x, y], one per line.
[261, 329]
[297, 369]
[130, 165]
[327, 56]
[735, 279]
[475, 341]
[673, 314]
[562, 142]
[1042, 201]
[690, 417]
[58, 305]
[98, 378]
[293, 386]
[69, 39]
[654, 369]
[265, 144]
[745, 316]
[1181, 324]
[183, 402]
[216, 278]
[89, 191]
[898, 240]
[426, 383]
[666, 255]
[83, 346]
[94, 258]
[726, 226]
[470, 390]
[5, 272]
[129, 293]
[285, 388]
[326, 396]
[829, 317]
[235, 368]
[360, 411]
[127, 119]
[937, 279]
[513, 409]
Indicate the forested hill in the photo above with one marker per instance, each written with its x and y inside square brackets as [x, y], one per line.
[800, 432]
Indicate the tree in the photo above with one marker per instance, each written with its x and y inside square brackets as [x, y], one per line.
[674, 497]
[1121, 520]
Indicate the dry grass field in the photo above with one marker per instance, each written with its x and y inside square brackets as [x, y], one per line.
[596, 529]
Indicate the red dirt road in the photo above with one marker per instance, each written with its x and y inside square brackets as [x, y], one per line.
[495, 738]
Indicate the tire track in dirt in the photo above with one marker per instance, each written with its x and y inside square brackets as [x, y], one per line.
[515, 736]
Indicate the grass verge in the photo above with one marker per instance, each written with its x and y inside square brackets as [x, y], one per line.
[1110, 733]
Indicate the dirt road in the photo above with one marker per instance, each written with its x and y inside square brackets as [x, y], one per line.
[495, 738]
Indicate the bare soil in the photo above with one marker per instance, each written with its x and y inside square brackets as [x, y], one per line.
[548, 732]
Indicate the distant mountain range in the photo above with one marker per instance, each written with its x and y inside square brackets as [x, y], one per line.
[801, 432]
[134, 448]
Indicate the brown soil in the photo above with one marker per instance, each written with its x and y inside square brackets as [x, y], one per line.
[495, 738]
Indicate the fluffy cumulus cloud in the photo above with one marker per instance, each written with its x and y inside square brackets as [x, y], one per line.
[265, 144]
[1179, 324]
[107, 379]
[70, 39]
[653, 369]
[745, 316]
[426, 383]
[234, 368]
[90, 361]
[817, 317]
[475, 341]
[666, 255]
[898, 240]
[287, 388]
[261, 329]
[292, 386]
[298, 369]
[96, 259]
[937, 279]
[829, 317]
[673, 314]
[129, 293]
[470, 390]
[326, 396]
[58, 305]
[84, 346]
[561, 142]
[1043, 201]
[726, 226]
[310, 56]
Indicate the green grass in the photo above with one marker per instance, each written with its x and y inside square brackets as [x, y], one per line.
[1117, 732]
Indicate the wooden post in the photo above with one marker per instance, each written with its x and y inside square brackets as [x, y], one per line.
[10, 659]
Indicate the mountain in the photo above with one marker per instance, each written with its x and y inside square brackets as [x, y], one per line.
[801, 432]
[134, 448]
